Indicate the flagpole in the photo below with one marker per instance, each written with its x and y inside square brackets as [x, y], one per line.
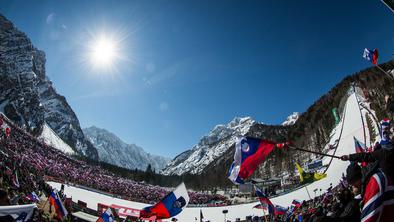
[308, 193]
[310, 151]
[383, 71]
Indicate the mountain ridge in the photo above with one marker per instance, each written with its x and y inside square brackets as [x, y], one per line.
[111, 149]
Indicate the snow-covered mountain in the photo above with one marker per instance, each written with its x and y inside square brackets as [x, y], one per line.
[111, 149]
[28, 97]
[210, 147]
[292, 119]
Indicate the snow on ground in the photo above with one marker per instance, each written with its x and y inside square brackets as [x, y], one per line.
[352, 128]
[52, 139]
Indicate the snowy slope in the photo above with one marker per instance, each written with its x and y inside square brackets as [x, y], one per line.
[111, 149]
[352, 127]
[211, 146]
[52, 139]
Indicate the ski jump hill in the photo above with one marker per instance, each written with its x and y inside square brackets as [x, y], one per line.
[351, 125]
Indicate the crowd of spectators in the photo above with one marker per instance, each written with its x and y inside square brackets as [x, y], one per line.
[38, 159]
[366, 193]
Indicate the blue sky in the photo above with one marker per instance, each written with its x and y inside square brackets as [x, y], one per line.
[189, 65]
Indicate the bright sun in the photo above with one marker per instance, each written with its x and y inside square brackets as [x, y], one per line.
[103, 52]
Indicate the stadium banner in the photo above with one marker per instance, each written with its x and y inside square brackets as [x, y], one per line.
[20, 213]
[126, 211]
[122, 211]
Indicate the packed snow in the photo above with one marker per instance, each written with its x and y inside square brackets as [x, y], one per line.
[52, 139]
[352, 127]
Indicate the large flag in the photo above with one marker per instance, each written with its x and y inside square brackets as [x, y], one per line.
[170, 206]
[107, 216]
[249, 154]
[306, 177]
[265, 201]
[20, 213]
[56, 202]
[371, 55]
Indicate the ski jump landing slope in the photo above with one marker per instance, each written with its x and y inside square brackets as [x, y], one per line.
[352, 127]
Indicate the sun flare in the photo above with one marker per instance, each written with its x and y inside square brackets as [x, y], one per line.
[103, 52]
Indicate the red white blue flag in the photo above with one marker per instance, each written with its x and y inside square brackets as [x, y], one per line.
[360, 147]
[170, 206]
[56, 202]
[296, 203]
[371, 55]
[249, 154]
[279, 210]
[264, 201]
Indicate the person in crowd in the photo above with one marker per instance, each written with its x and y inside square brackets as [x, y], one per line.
[4, 198]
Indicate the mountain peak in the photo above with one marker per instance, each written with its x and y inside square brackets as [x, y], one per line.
[113, 150]
[292, 119]
[211, 146]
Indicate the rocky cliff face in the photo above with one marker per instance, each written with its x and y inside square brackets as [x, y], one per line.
[28, 97]
[113, 150]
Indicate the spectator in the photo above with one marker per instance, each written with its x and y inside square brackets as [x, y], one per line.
[4, 198]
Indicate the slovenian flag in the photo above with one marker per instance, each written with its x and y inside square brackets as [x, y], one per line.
[170, 206]
[249, 154]
[371, 55]
[265, 201]
[56, 202]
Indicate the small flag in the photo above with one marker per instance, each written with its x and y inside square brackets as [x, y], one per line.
[201, 215]
[264, 200]
[107, 216]
[15, 180]
[249, 154]
[296, 203]
[261, 206]
[279, 210]
[371, 56]
[56, 202]
[360, 147]
[170, 206]
[33, 197]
